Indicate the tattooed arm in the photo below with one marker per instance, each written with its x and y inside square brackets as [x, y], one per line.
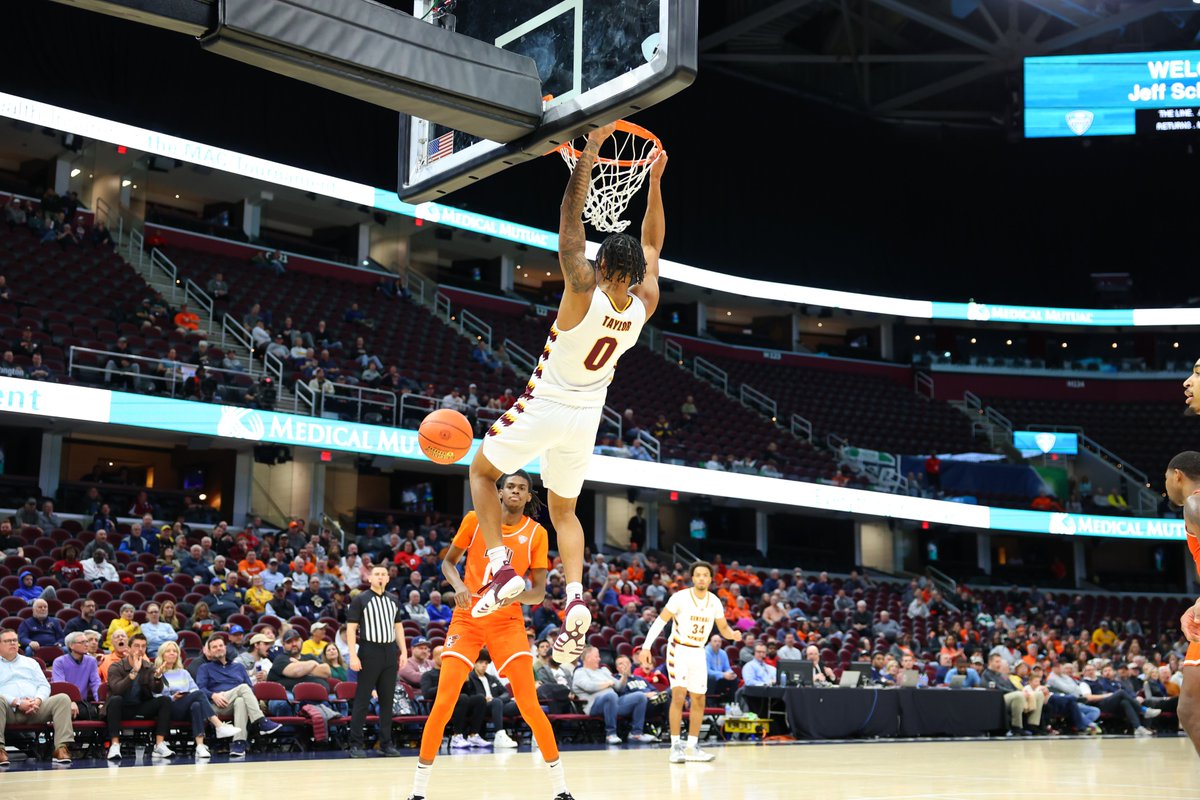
[579, 274]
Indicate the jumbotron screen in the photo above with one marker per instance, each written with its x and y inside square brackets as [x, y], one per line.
[1112, 94]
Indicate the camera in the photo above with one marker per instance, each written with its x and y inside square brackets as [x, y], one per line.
[261, 395]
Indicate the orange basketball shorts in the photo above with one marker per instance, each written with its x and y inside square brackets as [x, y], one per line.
[502, 633]
[1192, 657]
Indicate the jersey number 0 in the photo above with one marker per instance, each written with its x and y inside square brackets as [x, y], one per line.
[601, 352]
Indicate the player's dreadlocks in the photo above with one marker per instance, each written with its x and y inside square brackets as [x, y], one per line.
[621, 256]
[534, 506]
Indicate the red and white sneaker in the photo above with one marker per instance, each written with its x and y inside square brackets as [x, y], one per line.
[569, 643]
[506, 584]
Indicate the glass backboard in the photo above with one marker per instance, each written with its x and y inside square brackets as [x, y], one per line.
[598, 60]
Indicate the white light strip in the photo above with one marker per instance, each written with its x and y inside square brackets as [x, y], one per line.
[231, 424]
[87, 125]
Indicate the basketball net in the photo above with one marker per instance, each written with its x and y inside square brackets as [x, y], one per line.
[618, 173]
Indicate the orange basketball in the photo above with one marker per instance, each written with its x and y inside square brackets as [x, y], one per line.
[445, 436]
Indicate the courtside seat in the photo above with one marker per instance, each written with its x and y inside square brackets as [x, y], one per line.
[267, 691]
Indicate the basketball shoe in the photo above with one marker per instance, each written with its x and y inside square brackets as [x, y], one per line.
[506, 584]
[677, 753]
[696, 754]
[569, 643]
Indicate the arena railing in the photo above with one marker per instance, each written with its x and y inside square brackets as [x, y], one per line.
[519, 356]
[471, 325]
[171, 384]
[707, 371]
[186, 287]
[232, 329]
[673, 351]
[441, 307]
[421, 288]
[757, 401]
[135, 250]
[801, 428]
[347, 395]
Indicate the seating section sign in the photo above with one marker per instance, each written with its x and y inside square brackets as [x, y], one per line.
[1113, 94]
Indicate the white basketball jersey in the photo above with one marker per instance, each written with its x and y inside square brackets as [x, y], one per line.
[577, 366]
[693, 620]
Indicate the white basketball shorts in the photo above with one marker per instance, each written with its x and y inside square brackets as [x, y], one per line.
[687, 667]
[562, 436]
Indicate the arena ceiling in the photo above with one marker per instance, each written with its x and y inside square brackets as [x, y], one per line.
[955, 62]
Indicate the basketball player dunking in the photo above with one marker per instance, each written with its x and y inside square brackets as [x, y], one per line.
[601, 316]
[694, 611]
[503, 633]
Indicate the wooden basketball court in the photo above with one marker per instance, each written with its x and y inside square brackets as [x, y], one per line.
[1095, 768]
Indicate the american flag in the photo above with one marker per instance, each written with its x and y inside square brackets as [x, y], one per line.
[440, 147]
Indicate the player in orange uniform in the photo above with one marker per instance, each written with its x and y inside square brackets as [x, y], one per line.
[1183, 489]
[502, 631]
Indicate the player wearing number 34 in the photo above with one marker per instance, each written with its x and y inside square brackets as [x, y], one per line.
[692, 613]
[601, 316]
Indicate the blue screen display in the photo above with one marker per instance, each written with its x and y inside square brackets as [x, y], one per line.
[1037, 443]
[1112, 94]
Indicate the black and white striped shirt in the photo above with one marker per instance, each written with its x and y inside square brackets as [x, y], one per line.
[376, 616]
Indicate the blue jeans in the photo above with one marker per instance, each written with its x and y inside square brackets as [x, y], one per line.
[194, 706]
[1090, 713]
[610, 705]
[1070, 708]
[363, 361]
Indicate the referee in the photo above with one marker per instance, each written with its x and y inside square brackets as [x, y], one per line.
[376, 660]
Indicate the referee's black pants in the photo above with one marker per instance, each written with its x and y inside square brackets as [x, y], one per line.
[378, 674]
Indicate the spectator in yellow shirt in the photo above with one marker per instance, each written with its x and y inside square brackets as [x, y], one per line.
[257, 596]
[122, 623]
[316, 645]
[1103, 637]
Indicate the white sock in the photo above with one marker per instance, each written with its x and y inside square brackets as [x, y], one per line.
[675, 741]
[421, 779]
[574, 591]
[558, 778]
[691, 742]
[496, 557]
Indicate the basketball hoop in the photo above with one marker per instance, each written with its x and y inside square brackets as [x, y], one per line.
[615, 177]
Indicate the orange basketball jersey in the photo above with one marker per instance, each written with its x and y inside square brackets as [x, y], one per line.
[527, 543]
[1193, 542]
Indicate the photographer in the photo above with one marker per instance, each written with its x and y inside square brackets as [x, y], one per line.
[261, 395]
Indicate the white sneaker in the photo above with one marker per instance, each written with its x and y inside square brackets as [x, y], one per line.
[458, 740]
[643, 738]
[1142, 730]
[677, 754]
[475, 740]
[503, 740]
[568, 645]
[114, 752]
[1151, 713]
[612, 738]
[696, 754]
[202, 751]
[227, 731]
[162, 751]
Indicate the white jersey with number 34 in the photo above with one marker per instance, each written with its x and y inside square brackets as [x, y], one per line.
[693, 618]
[577, 365]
